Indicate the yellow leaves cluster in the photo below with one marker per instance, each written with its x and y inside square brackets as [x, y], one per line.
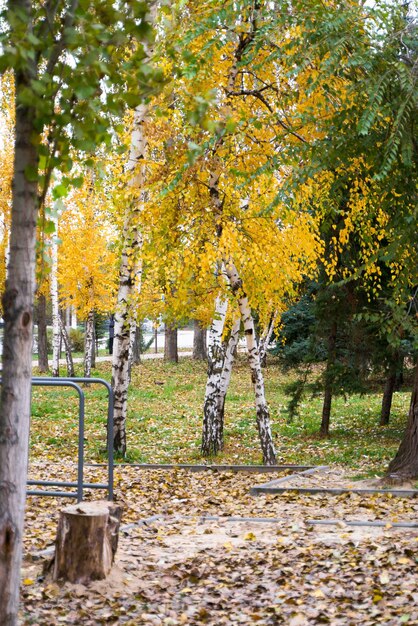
[87, 269]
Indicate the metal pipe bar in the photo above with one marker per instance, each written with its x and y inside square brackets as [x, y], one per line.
[256, 469]
[402, 493]
[277, 481]
[53, 494]
[313, 522]
[51, 483]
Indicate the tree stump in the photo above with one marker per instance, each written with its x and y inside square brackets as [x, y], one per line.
[86, 543]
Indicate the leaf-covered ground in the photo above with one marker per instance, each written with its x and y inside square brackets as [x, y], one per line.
[182, 568]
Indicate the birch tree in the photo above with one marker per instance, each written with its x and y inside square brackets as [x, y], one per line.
[130, 272]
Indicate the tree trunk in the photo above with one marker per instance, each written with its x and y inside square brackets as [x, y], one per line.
[387, 397]
[17, 350]
[212, 431]
[68, 350]
[93, 345]
[265, 340]
[262, 410]
[88, 344]
[230, 354]
[328, 382]
[170, 344]
[87, 539]
[56, 330]
[199, 342]
[129, 277]
[43, 364]
[136, 345]
[73, 318]
[405, 464]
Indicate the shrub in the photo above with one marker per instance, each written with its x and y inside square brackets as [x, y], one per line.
[76, 339]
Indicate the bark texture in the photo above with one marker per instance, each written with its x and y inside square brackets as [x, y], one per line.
[405, 464]
[199, 342]
[170, 344]
[328, 382]
[43, 364]
[212, 430]
[56, 330]
[88, 344]
[136, 345]
[86, 542]
[262, 410]
[129, 279]
[17, 353]
[265, 340]
[68, 350]
[387, 397]
[230, 353]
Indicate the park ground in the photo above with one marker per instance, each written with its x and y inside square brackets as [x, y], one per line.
[181, 559]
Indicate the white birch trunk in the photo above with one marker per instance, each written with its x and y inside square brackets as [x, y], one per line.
[88, 344]
[230, 353]
[56, 330]
[73, 317]
[262, 410]
[266, 338]
[211, 435]
[67, 317]
[129, 280]
[68, 351]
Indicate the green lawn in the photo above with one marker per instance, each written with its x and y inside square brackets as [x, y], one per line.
[165, 419]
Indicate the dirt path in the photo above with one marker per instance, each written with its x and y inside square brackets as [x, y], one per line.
[182, 569]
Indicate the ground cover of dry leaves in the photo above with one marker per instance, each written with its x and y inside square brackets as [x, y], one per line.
[182, 569]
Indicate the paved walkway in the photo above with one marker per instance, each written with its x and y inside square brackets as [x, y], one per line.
[144, 357]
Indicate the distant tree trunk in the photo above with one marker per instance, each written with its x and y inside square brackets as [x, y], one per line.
[68, 350]
[212, 432]
[136, 345]
[394, 377]
[56, 331]
[73, 318]
[17, 345]
[405, 463]
[93, 344]
[230, 353]
[199, 342]
[43, 364]
[262, 410]
[88, 344]
[387, 396]
[328, 381]
[265, 340]
[170, 344]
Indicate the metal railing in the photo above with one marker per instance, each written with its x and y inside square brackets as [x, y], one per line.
[79, 484]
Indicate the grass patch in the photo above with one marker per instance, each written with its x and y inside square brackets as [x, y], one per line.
[165, 420]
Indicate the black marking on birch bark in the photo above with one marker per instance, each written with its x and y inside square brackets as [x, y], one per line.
[248, 331]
